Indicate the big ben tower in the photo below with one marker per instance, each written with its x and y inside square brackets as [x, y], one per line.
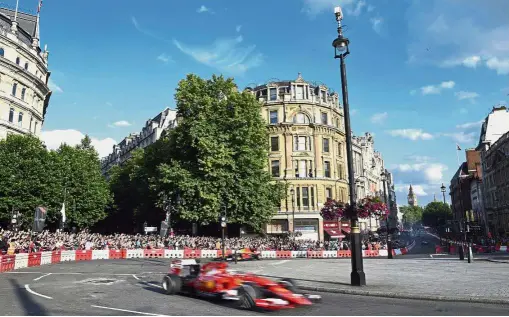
[412, 198]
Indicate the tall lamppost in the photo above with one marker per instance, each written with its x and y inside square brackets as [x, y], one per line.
[389, 242]
[341, 51]
[292, 193]
[442, 188]
[223, 222]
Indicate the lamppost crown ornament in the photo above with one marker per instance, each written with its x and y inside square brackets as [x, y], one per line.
[340, 44]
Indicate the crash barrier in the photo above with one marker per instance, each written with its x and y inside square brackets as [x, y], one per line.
[23, 260]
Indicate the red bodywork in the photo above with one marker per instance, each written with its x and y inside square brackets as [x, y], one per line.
[214, 278]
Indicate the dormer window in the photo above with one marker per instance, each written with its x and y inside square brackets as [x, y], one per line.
[324, 96]
[273, 94]
[299, 92]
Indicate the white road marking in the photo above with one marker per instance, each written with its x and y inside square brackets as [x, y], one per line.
[36, 279]
[27, 287]
[155, 285]
[134, 275]
[126, 311]
[280, 262]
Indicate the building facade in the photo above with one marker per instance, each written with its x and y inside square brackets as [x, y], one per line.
[494, 173]
[24, 74]
[150, 133]
[306, 151]
[460, 193]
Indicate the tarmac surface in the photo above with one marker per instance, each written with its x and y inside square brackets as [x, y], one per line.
[132, 287]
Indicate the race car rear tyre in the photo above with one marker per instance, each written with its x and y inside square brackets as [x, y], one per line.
[172, 284]
[290, 285]
[247, 295]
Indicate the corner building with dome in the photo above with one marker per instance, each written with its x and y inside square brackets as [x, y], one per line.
[24, 74]
[306, 151]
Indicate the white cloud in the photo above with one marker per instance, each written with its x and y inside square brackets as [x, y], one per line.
[226, 55]
[358, 8]
[470, 125]
[238, 28]
[448, 41]
[165, 58]
[432, 172]
[462, 137]
[315, 7]
[462, 95]
[140, 29]
[379, 117]
[436, 89]
[411, 134]
[121, 123]
[203, 9]
[376, 23]
[54, 87]
[370, 8]
[54, 138]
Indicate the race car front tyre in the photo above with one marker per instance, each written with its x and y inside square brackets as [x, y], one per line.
[247, 295]
[290, 285]
[172, 284]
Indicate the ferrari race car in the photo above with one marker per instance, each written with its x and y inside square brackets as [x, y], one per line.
[243, 255]
[241, 290]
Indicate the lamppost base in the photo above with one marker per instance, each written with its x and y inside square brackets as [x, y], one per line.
[358, 278]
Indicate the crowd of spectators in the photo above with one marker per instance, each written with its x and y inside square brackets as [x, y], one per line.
[26, 241]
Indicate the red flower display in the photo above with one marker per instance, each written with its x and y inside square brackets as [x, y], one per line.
[368, 207]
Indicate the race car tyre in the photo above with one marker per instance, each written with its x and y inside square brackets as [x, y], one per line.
[172, 284]
[247, 295]
[290, 285]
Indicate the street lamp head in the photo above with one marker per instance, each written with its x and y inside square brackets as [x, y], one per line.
[292, 191]
[442, 188]
[340, 44]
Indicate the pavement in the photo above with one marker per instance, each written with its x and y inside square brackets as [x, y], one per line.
[132, 287]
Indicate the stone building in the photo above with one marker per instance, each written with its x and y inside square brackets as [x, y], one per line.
[306, 150]
[150, 133]
[24, 74]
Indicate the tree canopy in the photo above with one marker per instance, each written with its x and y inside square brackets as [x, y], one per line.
[411, 215]
[215, 159]
[436, 213]
[33, 177]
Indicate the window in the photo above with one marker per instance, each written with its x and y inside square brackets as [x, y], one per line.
[305, 197]
[273, 117]
[273, 93]
[324, 118]
[298, 197]
[17, 60]
[326, 165]
[31, 121]
[340, 146]
[324, 96]
[300, 118]
[300, 143]
[312, 196]
[35, 127]
[299, 92]
[11, 115]
[274, 143]
[14, 88]
[326, 145]
[20, 119]
[23, 93]
[340, 171]
[328, 193]
[26, 66]
[275, 168]
[2, 52]
[302, 168]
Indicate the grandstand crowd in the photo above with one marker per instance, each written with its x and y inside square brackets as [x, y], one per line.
[26, 241]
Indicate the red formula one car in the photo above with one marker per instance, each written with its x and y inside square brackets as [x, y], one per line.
[246, 291]
[243, 255]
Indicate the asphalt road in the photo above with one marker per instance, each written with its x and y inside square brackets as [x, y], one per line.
[131, 287]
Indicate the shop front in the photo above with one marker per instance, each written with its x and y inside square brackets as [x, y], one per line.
[332, 230]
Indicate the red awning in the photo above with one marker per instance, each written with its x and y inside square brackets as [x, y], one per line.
[334, 233]
[346, 229]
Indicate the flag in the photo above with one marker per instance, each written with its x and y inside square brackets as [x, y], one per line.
[39, 6]
[62, 212]
[458, 147]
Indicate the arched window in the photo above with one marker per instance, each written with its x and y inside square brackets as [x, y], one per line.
[26, 66]
[300, 118]
[2, 52]
[23, 93]
[14, 88]
[17, 60]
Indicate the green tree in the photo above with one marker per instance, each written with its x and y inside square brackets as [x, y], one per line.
[217, 155]
[436, 213]
[25, 178]
[85, 190]
[411, 215]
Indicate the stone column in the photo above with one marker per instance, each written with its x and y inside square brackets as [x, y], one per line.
[289, 170]
[318, 154]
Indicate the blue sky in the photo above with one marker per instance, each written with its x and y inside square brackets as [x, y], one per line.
[421, 74]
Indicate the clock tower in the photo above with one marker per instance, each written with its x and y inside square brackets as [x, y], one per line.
[412, 198]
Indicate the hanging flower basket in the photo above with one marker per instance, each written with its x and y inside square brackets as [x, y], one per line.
[368, 207]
